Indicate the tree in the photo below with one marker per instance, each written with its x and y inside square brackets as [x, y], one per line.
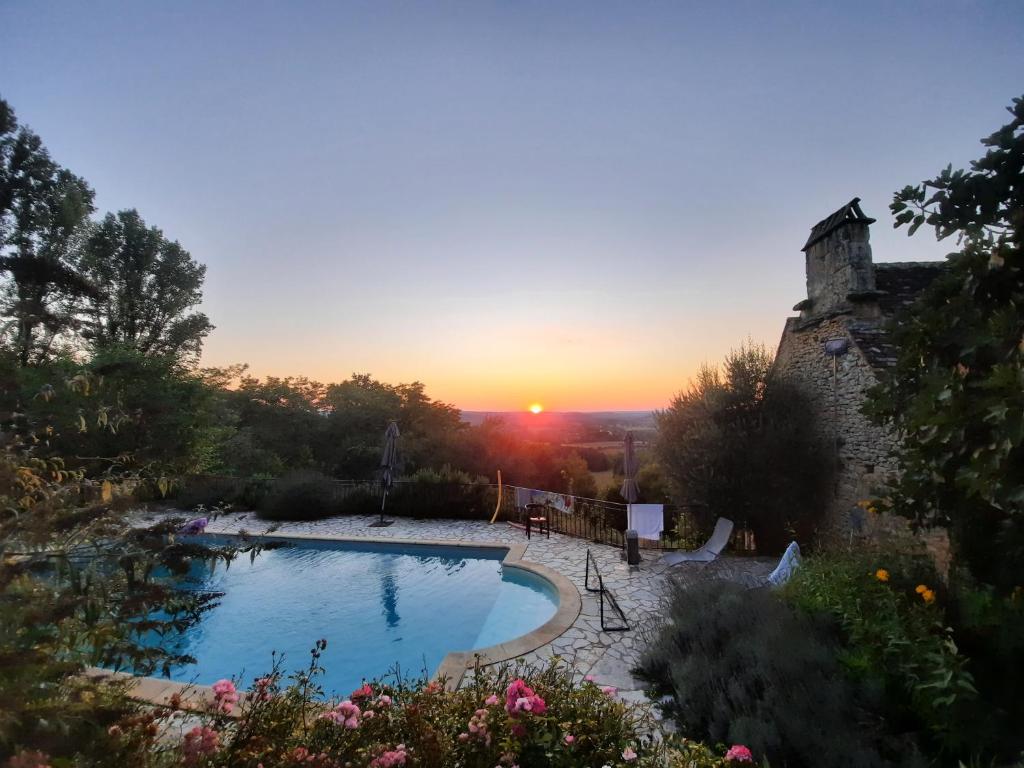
[359, 410]
[42, 211]
[576, 477]
[956, 394]
[120, 408]
[737, 444]
[146, 287]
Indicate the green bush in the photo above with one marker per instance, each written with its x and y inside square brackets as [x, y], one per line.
[989, 630]
[742, 666]
[301, 495]
[738, 444]
[218, 490]
[905, 633]
[440, 494]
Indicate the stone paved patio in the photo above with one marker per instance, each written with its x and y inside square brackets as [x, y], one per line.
[608, 656]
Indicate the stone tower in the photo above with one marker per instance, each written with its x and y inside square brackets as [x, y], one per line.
[838, 347]
[840, 274]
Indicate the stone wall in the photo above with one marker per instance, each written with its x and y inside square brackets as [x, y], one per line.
[861, 448]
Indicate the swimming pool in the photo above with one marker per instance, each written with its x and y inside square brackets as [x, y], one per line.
[380, 606]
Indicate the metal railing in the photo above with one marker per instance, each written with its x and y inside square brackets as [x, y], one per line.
[604, 595]
[604, 522]
[596, 520]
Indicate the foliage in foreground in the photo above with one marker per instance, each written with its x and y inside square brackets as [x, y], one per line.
[79, 586]
[509, 716]
[956, 394]
[737, 445]
[904, 634]
[740, 665]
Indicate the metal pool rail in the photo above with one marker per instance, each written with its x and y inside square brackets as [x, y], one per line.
[604, 594]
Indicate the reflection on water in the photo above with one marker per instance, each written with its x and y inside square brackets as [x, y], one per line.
[377, 606]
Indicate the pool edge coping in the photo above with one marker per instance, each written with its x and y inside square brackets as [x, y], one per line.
[453, 667]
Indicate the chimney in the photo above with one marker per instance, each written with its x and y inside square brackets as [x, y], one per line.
[840, 273]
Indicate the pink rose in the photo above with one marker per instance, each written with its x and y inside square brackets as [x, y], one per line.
[609, 690]
[491, 700]
[569, 738]
[740, 754]
[390, 759]
[198, 743]
[364, 692]
[225, 696]
[346, 713]
[628, 754]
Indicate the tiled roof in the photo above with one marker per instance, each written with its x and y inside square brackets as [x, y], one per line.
[901, 282]
[873, 342]
[898, 285]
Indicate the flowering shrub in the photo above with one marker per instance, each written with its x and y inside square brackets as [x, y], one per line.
[896, 634]
[507, 717]
[693, 754]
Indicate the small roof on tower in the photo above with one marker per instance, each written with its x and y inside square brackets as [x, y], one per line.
[848, 214]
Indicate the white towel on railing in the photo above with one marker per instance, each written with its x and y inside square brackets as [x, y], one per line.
[648, 520]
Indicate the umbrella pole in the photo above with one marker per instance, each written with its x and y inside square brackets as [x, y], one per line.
[383, 501]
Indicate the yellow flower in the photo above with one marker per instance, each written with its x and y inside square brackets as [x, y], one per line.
[864, 503]
[921, 589]
[882, 575]
[928, 596]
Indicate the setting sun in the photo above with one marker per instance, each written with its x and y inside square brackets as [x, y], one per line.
[536, 408]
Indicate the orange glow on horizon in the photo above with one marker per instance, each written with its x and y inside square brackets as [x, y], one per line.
[536, 408]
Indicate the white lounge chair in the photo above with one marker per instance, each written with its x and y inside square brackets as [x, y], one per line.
[787, 566]
[711, 549]
[783, 572]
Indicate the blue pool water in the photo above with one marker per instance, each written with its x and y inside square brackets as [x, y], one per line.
[378, 606]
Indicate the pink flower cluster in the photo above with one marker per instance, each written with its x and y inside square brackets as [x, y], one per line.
[740, 754]
[225, 696]
[477, 728]
[390, 758]
[26, 759]
[363, 692]
[303, 755]
[198, 743]
[346, 713]
[520, 698]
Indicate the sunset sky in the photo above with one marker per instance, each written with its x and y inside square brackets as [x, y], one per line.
[573, 204]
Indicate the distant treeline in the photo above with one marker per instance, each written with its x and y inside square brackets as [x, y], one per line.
[98, 363]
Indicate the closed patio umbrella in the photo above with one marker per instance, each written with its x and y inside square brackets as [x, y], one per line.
[630, 490]
[388, 467]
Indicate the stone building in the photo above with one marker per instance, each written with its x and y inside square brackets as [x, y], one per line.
[839, 344]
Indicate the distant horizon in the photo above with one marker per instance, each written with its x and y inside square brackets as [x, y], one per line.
[561, 413]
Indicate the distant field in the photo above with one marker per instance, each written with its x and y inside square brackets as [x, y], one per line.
[604, 479]
[605, 445]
